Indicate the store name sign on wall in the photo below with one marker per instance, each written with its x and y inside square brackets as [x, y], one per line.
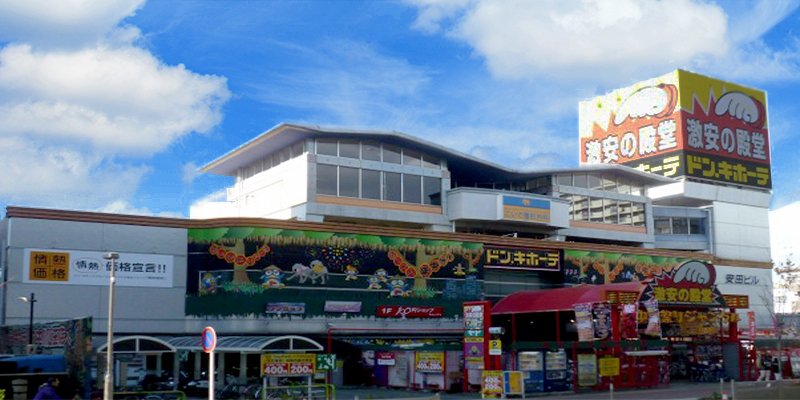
[526, 209]
[90, 268]
[409, 312]
[528, 259]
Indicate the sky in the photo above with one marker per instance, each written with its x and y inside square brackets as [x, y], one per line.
[114, 105]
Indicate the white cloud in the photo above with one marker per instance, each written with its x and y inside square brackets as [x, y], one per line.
[80, 102]
[597, 39]
[783, 232]
[189, 172]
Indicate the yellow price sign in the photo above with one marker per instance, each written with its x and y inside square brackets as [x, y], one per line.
[609, 366]
[495, 347]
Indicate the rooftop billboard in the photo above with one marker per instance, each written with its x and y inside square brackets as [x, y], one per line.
[681, 124]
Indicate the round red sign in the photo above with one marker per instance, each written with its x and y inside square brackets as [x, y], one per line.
[208, 339]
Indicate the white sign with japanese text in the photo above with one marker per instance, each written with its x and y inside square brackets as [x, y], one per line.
[90, 268]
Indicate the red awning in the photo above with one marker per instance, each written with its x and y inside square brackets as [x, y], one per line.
[562, 299]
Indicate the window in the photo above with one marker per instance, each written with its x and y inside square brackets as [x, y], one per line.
[680, 226]
[348, 182]
[326, 147]
[637, 214]
[391, 186]
[564, 180]
[391, 154]
[432, 191]
[349, 149]
[285, 154]
[610, 211]
[663, 226]
[625, 213]
[637, 189]
[596, 210]
[371, 151]
[623, 186]
[412, 158]
[412, 189]
[430, 162]
[696, 226]
[580, 181]
[609, 183]
[326, 179]
[370, 184]
[580, 208]
[595, 182]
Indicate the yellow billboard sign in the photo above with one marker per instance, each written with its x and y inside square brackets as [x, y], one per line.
[49, 266]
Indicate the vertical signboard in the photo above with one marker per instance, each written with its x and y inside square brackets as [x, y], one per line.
[477, 319]
[681, 124]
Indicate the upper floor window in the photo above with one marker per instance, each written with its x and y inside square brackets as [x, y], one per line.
[607, 211]
[679, 226]
[596, 181]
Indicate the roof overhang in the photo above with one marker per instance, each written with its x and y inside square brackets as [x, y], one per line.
[250, 344]
[562, 299]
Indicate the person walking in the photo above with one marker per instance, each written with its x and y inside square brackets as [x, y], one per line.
[48, 390]
[766, 368]
[776, 369]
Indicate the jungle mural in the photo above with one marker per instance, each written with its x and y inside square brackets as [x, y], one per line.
[240, 270]
[597, 268]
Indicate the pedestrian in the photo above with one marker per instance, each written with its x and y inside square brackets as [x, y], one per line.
[48, 390]
[776, 369]
[766, 368]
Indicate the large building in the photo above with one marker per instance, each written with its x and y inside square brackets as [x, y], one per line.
[373, 240]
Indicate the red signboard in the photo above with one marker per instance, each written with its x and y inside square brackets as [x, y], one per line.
[751, 324]
[410, 312]
[384, 358]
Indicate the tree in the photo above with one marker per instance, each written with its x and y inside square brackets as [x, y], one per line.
[235, 255]
[787, 285]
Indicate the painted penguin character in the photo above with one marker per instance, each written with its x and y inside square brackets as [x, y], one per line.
[374, 283]
[209, 283]
[272, 278]
[381, 274]
[397, 287]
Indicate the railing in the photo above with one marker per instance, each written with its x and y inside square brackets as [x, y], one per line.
[298, 392]
[151, 395]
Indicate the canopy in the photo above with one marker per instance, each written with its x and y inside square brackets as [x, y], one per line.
[250, 344]
[562, 299]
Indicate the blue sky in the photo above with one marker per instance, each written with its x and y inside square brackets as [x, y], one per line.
[113, 105]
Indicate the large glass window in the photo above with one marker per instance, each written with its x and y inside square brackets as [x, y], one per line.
[596, 210]
[326, 179]
[625, 213]
[609, 183]
[595, 182]
[680, 226]
[371, 151]
[623, 186]
[430, 162]
[348, 182]
[637, 214]
[326, 147]
[432, 191]
[564, 180]
[391, 186]
[412, 158]
[663, 226]
[297, 149]
[349, 149]
[285, 154]
[637, 189]
[370, 184]
[391, 154]
[580, 208]
[696, 226]
[610, 211]
[412, 189]
[579, 180]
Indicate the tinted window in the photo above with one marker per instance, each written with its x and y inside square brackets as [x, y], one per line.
[348, 182]
[391, 154]
[580, 181]
[609, 183]
[637, 189]
[326, 147]
[391, 186]
[412, 188]
[432, 188]
[297, 149]
[411, 157]
[625, 213]
[348, 148]
[595, 182]
[637, 214]
[430, 162]
[371, 151]
[663, 226]
[370, 184]
[610, 211]
[680, 226]
[326, 179]
[564, 180]
[580, 208]
[596, 210]
[696, 226]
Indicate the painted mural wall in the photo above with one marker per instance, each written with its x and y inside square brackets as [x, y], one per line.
[240, 271]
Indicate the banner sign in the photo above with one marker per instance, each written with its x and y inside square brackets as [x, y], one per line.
[513, 383]
[601, 316]
[342, 306]
[587, 369]
[689, 284]
[474, 349]
[751, 324]
[583, 322]
[653, 319]
[523, 259]
[429, 361]
[526, 209]
[286, 308]
[609, 366]
[288, 364]
[476, 324]
[681, 124]
[384, 358]
[409, 312]
[74, 267]
[621, 297]
[629, 323]
[736, 300]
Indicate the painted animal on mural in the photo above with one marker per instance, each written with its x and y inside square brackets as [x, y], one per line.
[315, 271]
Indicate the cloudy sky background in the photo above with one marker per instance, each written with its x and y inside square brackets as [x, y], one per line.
[113, 105]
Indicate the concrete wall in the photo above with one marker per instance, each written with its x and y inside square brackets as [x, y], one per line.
[137, 309]
[741, 232]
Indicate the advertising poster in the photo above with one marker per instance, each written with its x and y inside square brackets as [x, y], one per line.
[751, 324]
[429, 361]
[492, 384]
[513, 383]
[473, 352]
[556, 360]
[583, 322]
[609, 366]
[288, 364]
[653, 319]
[73, 267]
[628, 322]
[587, 369]
[384, 358]
[602, 321]
[531, 361]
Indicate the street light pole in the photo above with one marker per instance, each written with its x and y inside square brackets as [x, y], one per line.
[30, 300]
[108, 387]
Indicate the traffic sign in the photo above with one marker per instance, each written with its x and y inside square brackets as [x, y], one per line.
[209, 339]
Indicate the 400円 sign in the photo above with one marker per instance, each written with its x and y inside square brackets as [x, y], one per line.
[288, 364]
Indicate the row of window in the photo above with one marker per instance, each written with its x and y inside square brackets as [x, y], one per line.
[273, 160]
[608, 183]
[378, 185]
[607, 211]
[375, 151]
[679, 226]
